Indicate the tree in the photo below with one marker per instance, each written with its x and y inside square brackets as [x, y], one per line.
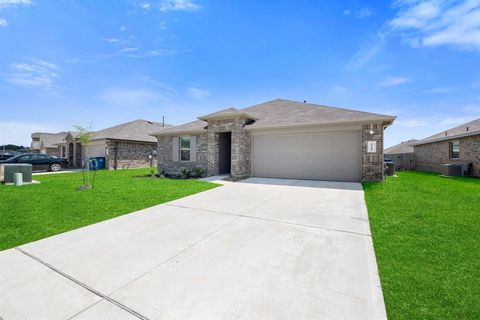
[84, 136]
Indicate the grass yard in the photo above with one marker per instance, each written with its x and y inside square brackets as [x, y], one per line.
[33, 212]
[426, 232]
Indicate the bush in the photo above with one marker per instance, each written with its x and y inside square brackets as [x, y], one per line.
[198, 172]
[194, 173]
[185, 173]
[161, 173]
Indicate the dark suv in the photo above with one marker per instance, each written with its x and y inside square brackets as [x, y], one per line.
[39, 161]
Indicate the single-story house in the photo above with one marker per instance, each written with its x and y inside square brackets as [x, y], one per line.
[457, 145]
[279, 139]
[402, 155]
[43, 142]
[128, 145]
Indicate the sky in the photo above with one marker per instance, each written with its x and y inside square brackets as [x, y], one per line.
[100, 63]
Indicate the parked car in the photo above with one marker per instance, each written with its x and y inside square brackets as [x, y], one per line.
[5, 156]
[39, 161]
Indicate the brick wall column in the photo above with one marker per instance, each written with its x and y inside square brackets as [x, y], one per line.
[240, 152]
[372, 163]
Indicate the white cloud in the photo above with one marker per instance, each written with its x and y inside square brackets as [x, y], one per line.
[3, 22]
[196, 93]
[179, 5]
[359, 13]
[37, 73]
[18, 132]
[441, 90]
[135, 97]
[394, 81]
[440, 22]
[368, 51]
[339, 89]
[123, 28]
[128, 49]
[411, 123]
[145, 5]
[454, 121]
[150, 53]
[14, 3]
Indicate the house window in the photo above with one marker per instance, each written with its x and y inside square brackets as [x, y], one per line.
[184, 148]
[455, 149]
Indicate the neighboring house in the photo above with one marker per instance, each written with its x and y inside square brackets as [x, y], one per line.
[402, 155]
[128, 145]
[43, 142]
[457, 145]
[279, 139]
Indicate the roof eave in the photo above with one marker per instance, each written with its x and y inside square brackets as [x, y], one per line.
[463, 135]
[385, 122]
[176, 133]
[242, 115]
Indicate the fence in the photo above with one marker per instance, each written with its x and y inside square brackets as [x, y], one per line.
[403, 161]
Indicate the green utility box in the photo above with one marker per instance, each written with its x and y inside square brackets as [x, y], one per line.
[8, 170]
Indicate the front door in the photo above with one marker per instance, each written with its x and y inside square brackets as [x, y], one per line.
[224, 152]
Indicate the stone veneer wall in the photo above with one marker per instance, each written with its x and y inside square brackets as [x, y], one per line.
[372, 163]
[241, 147]
[431, 156]
[130, 154]
[165, 155]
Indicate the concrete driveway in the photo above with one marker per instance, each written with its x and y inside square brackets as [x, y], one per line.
[257, 249]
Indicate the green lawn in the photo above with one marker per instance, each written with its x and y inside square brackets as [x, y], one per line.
[33, 212]
[426, 231]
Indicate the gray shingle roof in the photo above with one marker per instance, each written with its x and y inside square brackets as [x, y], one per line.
[280, 112]
[227, 113]
[284, 113]
[137, 130]
[469, 128]
[403, 147]
[190, 127]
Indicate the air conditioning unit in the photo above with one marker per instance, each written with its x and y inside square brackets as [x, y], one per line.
[456, 169]
[8, 170]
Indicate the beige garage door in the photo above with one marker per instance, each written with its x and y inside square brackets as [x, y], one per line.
[322, 156]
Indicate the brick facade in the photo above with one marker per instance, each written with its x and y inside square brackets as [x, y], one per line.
[208, 151]
[431, 156]
[129, 154]
[372, 163]
[241, 146]
[165, 155]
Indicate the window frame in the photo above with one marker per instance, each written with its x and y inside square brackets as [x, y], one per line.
[181, 148]
[451, 151]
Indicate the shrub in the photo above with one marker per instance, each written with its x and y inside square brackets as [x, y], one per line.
[185, 173]
[197, 172]
[194, 173]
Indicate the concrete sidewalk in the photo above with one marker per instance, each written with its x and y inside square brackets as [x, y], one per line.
[257, 249]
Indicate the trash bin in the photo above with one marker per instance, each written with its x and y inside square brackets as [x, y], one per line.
[96, 163]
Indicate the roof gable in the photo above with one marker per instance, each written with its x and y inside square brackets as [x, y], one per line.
[137, 130]
[403, 147]
[227, 114]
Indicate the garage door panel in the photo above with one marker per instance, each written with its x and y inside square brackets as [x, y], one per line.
[324, 156]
